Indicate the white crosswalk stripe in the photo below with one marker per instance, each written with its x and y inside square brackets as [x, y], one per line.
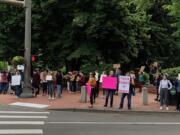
[24, 122]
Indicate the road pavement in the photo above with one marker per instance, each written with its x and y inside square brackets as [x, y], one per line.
[21, 120]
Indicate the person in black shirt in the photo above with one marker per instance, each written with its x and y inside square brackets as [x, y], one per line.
[59, 78]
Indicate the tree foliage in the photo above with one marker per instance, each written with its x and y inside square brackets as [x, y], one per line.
[77, 32]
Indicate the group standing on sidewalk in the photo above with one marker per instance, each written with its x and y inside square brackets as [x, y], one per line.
[51, 84]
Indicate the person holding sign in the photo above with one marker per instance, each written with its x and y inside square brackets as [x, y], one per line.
[126, 86]
[92, 83]
[16, 82]
[110, 92]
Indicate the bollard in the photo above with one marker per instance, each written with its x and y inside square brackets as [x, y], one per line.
[144, 96]
[83, 94]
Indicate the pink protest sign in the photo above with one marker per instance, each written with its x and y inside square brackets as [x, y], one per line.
[109, 83]
[89, 89]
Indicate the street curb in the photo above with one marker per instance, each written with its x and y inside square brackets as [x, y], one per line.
[113, 111]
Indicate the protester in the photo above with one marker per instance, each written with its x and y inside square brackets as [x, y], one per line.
[1, 82]
[4, 82]
[82, 79]
[50, 85]
[73, 82]
[97, 83]
[177, 85]
[101, 80]
[44, 82]
[59, 79]
[164, 86]
[110, 93]
[77, 78]
[92, 82]
[16, 82]
[141, 80]
[157, 80]
[36, 83]
[118, 72]
[129, 95]
[67, 77]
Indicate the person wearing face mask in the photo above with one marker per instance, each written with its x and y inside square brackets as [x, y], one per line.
[164, 86]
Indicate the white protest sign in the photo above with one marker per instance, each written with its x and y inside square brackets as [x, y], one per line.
[124, 84]
[15, 80]
[20, 67]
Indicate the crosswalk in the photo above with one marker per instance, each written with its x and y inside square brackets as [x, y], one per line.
[22, 122]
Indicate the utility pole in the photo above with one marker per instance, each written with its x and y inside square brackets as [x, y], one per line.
[27, 53]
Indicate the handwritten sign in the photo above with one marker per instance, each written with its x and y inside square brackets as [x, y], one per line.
[124, 84]
[109, 83]
[15, 80]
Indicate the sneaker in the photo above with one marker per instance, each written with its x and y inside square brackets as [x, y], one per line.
[90, 106]
[49, 97]
[53, 98]
[161, 108]
[167, 108]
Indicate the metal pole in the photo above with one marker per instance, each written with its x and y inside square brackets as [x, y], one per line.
[27, 92]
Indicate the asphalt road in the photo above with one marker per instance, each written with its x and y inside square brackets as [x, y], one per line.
[18, 120]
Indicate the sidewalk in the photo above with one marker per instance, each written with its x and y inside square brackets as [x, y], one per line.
[72, 101]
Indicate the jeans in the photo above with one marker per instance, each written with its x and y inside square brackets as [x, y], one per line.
[50, 88]
[59, 90]
[109, 93]
[44, 85]
[128, 98]
[164, 97]
[18, 90]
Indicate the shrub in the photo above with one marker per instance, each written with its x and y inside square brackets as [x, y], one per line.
[3, 65]
[172, 72]
[18, 60]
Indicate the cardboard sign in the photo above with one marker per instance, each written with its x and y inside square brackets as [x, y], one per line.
[124, 84]
[15, 80]
[20, 67]
[116, 66]
[109, 83]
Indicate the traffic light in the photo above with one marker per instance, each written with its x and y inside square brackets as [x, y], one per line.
[33, 58]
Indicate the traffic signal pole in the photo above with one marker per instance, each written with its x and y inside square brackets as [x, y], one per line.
[27, 90]
[27, 4]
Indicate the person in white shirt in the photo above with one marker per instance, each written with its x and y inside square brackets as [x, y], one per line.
[50, 86]
[164, 86]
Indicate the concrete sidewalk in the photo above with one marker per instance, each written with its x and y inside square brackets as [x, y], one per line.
[72, 101]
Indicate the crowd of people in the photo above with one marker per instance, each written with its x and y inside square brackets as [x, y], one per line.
[51, 84]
